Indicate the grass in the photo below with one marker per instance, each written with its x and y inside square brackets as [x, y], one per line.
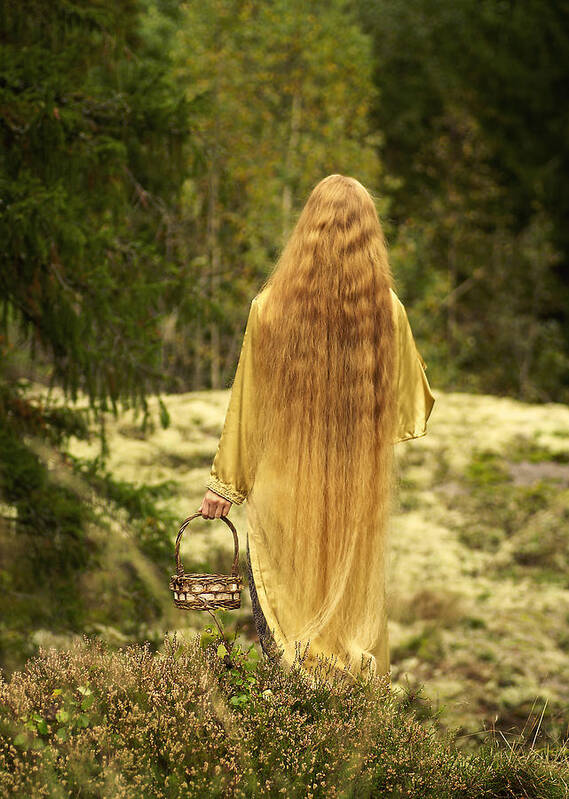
[208, 718]
[478, 573]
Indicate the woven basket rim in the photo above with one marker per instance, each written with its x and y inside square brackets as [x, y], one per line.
[202, 576]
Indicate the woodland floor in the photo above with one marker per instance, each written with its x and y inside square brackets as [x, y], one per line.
[478, 580]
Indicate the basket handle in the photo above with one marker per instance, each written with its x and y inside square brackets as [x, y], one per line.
[234, 567]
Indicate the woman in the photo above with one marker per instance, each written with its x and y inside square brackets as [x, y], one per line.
[328, 379]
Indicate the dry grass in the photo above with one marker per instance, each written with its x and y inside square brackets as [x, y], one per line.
[92, 722]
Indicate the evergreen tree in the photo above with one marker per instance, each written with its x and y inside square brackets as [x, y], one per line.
[91, 133]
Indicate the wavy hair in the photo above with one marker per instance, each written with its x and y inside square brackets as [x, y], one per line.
[326, 412]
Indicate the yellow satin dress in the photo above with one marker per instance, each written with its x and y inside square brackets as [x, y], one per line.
[229, 469]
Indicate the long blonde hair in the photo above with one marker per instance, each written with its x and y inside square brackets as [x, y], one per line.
[325, 365]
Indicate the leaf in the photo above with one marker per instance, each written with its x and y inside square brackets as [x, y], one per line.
[85, 691]
[42, 727]
[206, 637]
[21, 739]
[83, 720]
[37, 743]
[62, 715]
[164, 415]
[62, 734]
[252, 660]
[222, 651]
[87, 702]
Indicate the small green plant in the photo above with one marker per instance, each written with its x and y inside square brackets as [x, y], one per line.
[241, 663]
[65, 713]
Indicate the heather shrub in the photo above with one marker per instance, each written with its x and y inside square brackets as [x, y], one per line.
[210, 719]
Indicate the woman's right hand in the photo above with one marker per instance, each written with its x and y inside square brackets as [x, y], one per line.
[213, 505]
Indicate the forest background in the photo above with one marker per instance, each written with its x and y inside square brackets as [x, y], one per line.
[154, 157]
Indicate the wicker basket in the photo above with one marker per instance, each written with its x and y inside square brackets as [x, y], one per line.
[206, 591]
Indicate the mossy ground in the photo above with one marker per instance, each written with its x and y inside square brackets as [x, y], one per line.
[478, 580]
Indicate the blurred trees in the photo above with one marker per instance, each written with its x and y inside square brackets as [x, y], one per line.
[469, 104]
[283, 92]
[156, 154]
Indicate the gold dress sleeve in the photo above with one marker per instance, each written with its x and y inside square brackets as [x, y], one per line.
[228, 476]
[415, 399]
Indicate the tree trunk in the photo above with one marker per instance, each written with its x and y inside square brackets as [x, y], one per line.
[291, 149]
[451, 305]
[214, 255]
[197, 380]
[214, 279]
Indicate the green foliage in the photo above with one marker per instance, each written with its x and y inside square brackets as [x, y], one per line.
[149, 523]
[468, 106]
[426, 645]
[70, 715]
[52, 513]
[92, 128]
[86, 114]
[48, 549]
[134, 723]
[525, 448]
[241, 680]
[486, 469]
[52, 423]
[44, 548]
[280, 94]
[524, 524]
